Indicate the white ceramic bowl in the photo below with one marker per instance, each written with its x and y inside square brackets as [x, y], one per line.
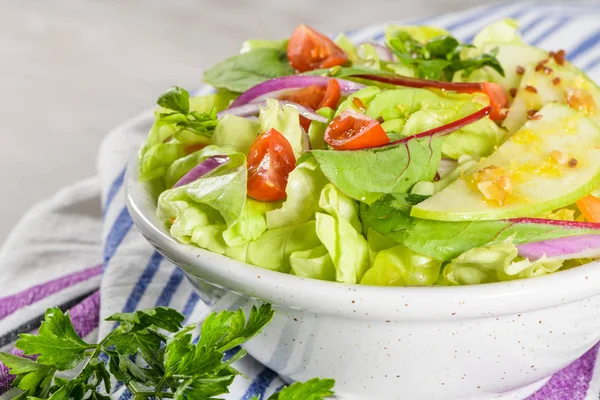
[500, 340]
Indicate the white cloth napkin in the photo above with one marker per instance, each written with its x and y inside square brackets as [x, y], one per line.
[79, 250]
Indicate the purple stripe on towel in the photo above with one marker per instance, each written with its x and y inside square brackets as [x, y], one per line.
[10, 304]
[572, 382]
[85, 317]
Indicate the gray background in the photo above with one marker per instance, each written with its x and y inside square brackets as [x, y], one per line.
[72, 70]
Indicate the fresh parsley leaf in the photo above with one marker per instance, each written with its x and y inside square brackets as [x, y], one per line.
[176, 99]
[32, 377]
[240, 72]
[229, 329]
[161, 317]
[314, 389]
[57, 342]
[175, 367]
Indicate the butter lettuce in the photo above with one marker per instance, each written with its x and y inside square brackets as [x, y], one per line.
[273, 249]
[183, 165]
[251, 224]
[494, 263]
[285, 119]
[411, 111]
[340, 232]
[236, 133]
[316, 131]
[303, 191]
[399, 266]
[314, 263]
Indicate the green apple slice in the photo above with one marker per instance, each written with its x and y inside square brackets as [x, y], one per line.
[550, 82]
[537, 161]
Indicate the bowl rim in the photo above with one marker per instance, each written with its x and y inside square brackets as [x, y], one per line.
[353, 300]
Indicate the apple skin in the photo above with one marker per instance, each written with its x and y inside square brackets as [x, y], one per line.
[559, 128]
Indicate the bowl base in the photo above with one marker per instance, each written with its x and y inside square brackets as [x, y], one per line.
[517, 394]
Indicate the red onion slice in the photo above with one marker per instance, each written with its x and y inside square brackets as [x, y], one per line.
[583, 246]
[205, 167]
[250, 109]
[292, 82]
[462, 87]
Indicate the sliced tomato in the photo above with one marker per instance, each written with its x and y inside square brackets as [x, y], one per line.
[590, 208]
[498, 100]
[352, 130]
[315, 97]
[308, 49]
[270, 161]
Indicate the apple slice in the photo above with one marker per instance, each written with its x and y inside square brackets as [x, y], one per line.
[549, 81]
[551, 162]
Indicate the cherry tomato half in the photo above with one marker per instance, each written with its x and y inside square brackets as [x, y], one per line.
[352, 130]
[270, 161]
[308, 49]
[316, 97]
[498, 100]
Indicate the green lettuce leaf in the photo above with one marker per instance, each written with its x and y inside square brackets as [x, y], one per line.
[251, 224]
[411, 111]
[340, 232]
[286, 120]
[365, 95]
[236, 133]
[399, 266]
[201, 211]
[183, 165]
[243, 71]
[253, 44]
[273, 249]
[502, 31]
[339, 206]
[374, 172]
[494, 263]
[303, 191]
[316, 131]
[377, 242]
[314, 263]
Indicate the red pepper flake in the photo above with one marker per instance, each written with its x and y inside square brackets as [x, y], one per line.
[551, 54]
[556, 81]
[531, 112]
[560, 57]
[547, 70]
[520, 70]
[358, 103]
[539, 67]
[531, 89]
[572, 163]
[512, 92]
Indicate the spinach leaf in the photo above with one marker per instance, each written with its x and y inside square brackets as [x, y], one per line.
[243, 71]
[366, 175]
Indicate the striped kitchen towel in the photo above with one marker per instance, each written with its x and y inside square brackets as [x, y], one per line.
[80, 251]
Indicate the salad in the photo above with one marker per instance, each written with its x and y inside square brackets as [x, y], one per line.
[421, 161]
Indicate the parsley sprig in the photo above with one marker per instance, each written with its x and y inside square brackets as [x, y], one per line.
[173, 367]
[440, 57]
[176, 109]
